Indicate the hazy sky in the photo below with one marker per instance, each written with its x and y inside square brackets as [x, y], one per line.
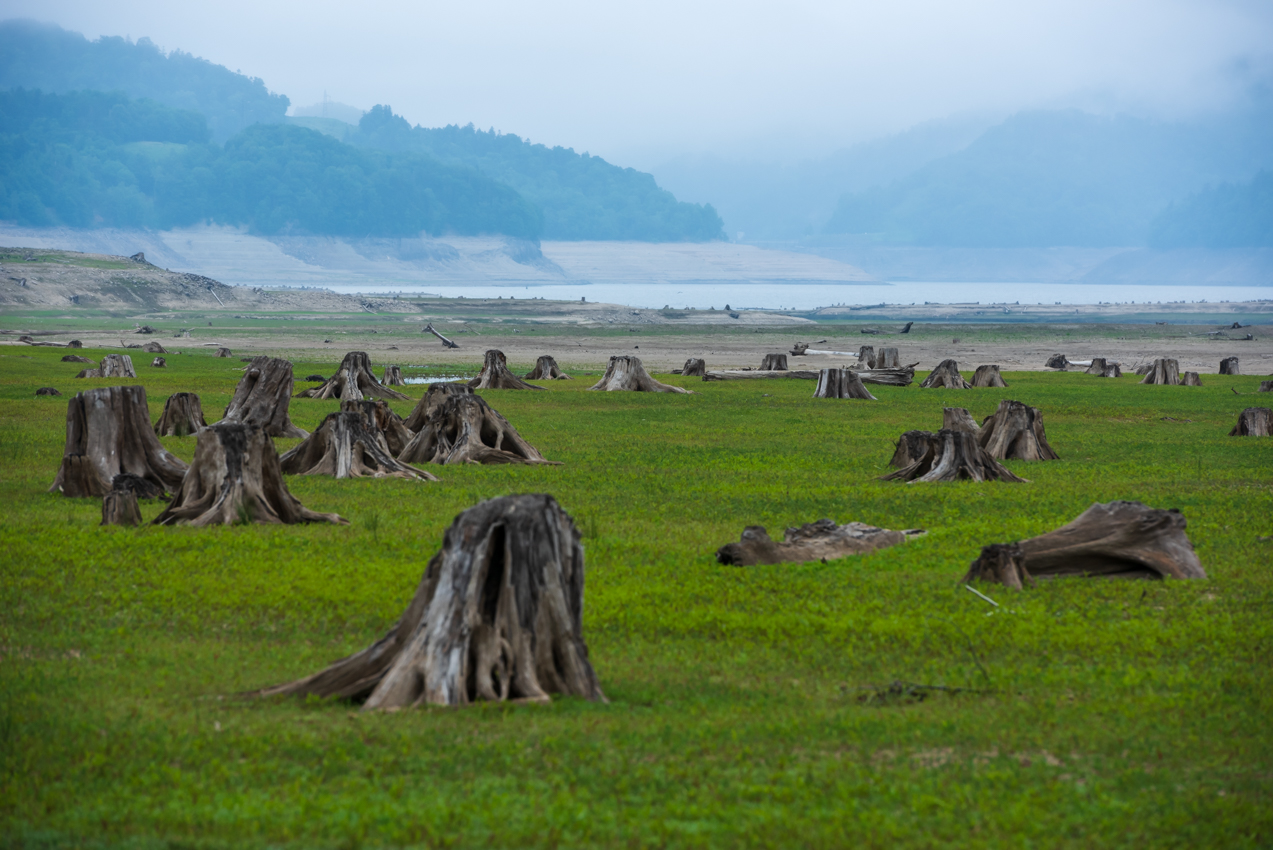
[638, 82]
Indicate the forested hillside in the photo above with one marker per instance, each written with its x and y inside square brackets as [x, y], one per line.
[1231, 215]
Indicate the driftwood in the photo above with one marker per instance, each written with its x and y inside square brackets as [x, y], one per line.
[1229, 366]
[953, 456]
[695, 367]
[1102, 368]
[910, 447]
[988, 376]
[222, 351]
[1190, 379]
[465, 429]
[430, 329]
[112, 366]
[108, 432]
[495, 374]
[866, 355]
[159, 363]
[348, 444]
[235, 478]
[945, 376]
[1254, 422]
[1111, 540]
[119, 507]
[182, 416]
[434, 396]
[799, 349]
[888, 377]
[390, 424]
[735, 374]
[958, 419]
[47, 391]
[1057, 361]
[1015, 431]
[153, 347]
[497, 616]
[353, 380]
[887, 358]
[625, 373]
[393, 377]
[841, 383]
[77, 358]
[546, 369]
[262, 398]
[822, 540]
[774, 363]
[1164, 370]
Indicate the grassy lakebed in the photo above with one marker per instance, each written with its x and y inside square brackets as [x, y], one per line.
[1101, 713]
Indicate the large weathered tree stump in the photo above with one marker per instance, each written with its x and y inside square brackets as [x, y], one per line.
[910, 447]
[235, 479]
[815, 541]
[393, 377]
[223, 352]
[1057, 361]
[1190, 379]
[119, 507]
[153, 347]
[1164, 370]
[390, 424]
[1015, 431]
[1254, 422]
[627, 374]
[958, 419]
[108, 432]
[497, 616]
[262, 398]
[496, 376]
[866, 356]
[1229, 366]
[987, 376]
[465, 429]
[945, 376]
[887, 358]
[1102, 368]
[695, 367]
[112, 366]
[546, 369]
[953, 456]
[774, 363]
[434, 396]
[182, 416]
[841, 383]
[348, 444]
[353, 380]
[1111, 540]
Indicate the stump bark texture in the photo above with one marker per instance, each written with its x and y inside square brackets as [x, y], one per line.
[1254, 422]
[393, 377]
[1000, 563]
[262, 398]
[390, 424]
[119, 507]
[1015, 431]
[887, 377]
[887, 358]
[822, 540]
[1164, 370]
[1229, 366]
[958, 419]
[159, 363]
[546, 369]
[497, 616]
[138, 486]
[695, 367]
[1265, 387]
[112, 366]
[911, 446]
[841, 383]
[465, 429]
[1057, 361]
[348, 444]
[224, 352]
[434, 396]
[866, 356]
[182, 416]
[353, 380]
[988, 376]
[953, 456]
[154, 348]
[627, 374]
[108, 432]
[774, 363]
[495, 374]
[945, 376]
[1190, 379]
[1102, 368]
[235, 478]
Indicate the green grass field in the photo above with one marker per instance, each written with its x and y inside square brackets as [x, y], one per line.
[1105, 713]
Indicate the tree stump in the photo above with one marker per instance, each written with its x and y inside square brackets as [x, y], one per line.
[841, 383]
[235, 478]
[353, 380]
[153, 347]
[108, 432]
[1102, 368]
[1254, 422]
[77, 358]
[465, 429]
[887, 358]
[799, 349]
[1015, 431]
[953, 456]
[774, 363]
[47, 391]
[1164, 370]
[1229, 366]
[1057, 361]
[625, 373]
[112, 366]
[159, 363]
[393, 377]
[119, 507]
[695, 367]
[911, 446]
[495, 374]
[390, 424]
[988, 376]
[546, 369]
[224, 352]
[958, 419]
[138, 486]
[945, 376]
[348, 444]
[497, 616]
[1111, 540]
[1144, 368]
[1001, 563]
[434, 396]
[1190, 379]
[262, 398]
[182, 416]
[866, 356]
[1265, 387]
[822, 540]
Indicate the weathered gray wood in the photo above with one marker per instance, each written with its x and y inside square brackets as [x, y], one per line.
[448, 343]
[463, 428]
[695, 367]
[47, 391]
[434, 396]
[119, 507]
[910, 447]
[866, 356]
[182, 416]
[263, 397]
[546, 369]
[988, 376]
[1000, 563]
[774, 363]
[887, 358]
[1254, 422]
[77, 358]
[390, 424]
[349, 444]
[1229, 366]
[393, 377]
[815, 541]
[945, 376]
[222, 351]
[1015, 431]
[1265, 387]
[496, 376]
[953, 456]
[627, 374]
[958, 419]
[353, 380]
[112, 366]
[1164, 370]
[1057, 361]
[153, 347]
[841, 383]
[1102, 368]
[159, 363]
[1190, 379]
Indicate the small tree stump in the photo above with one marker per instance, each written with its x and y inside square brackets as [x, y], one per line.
[627, 374]
[47, 391]
[1001, 563]
[887, 358]
[1190, 379]
[1164, 370]
[954, 456]
[1015, 431]
[390, 424]
[262, 398]
[182, 416]
[1229, 366]
[841, 383]
[159, 363]
[434, 396]
[497, 616]
[465, 429]
[1265, 387]
[774, 363]
[119, 507]
[348, 444]
[77, 358]
[987, 376]
[393, 377]
[866, 356]
[958, 419]
[1102, 368]
[910, 447]
[822, 540]
[224, 352]
[799, 349]
[546, 369]
[235, 478]
[945, 376]
[495, 374]
[353, 380]
[1057, 361]
[153, 347]
[695, 367]
[1254, 422]
[108, 432]
[112, 366]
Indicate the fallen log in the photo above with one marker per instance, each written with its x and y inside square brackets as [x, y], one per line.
[546, 369]
[263, 397]
[954, 456]
[348, 444]
[735, 374]
[353, 380]
[841, 383]
[430, 329]
[1164, 370]
[988, 376]
[182, 416]
[498, 615]
[1015, 431]
[434, 396]
[625, 373]
[1254, 422]
[945, 376]
[816, 541]
[495, 374]
[465, 429]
